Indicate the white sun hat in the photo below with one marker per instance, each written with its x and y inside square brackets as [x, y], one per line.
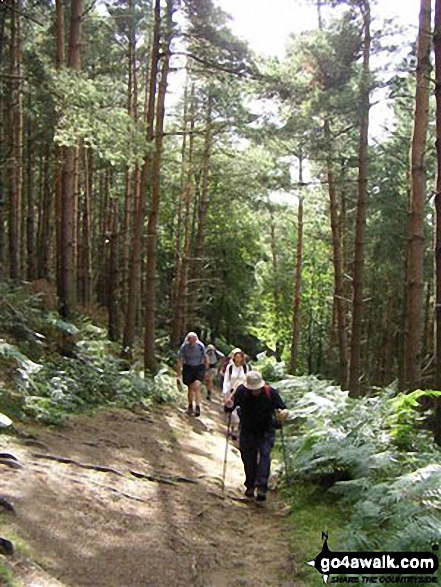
[254, 381]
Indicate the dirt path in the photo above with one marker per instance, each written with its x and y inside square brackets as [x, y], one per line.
[108, 528]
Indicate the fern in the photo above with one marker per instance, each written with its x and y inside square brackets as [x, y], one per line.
[373, 455]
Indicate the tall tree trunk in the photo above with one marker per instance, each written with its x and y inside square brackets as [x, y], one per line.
[68, 180]
[31, 210]
[298, 282]
[184, 227]
[204, 200]
[44, 231]
[77, 213]
[58, 150]
[3, 146]
[150, 305]
[437, 47]
[16, 160]
[129, 188]
[338, 264]
[87, 231]
[113, 275]
[415, 255]
[103, 242]
[140, 197]
[85, 249]
[276, 284]
[362, 200]
[427, 350]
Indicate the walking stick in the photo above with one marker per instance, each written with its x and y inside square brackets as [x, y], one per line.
[224, 472]
[282, 436]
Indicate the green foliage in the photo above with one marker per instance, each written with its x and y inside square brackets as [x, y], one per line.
[372, 454]
[7, 576]
[406, 414]
[94, 111]
[270, 369]
[88, 375]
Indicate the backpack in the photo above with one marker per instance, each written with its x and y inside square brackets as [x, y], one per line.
[245, 366]
[267, 391]
[276, 424]
[225, 364]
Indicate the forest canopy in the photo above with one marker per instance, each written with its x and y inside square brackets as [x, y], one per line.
[158, 171]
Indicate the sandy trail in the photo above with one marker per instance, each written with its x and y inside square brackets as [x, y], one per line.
[93, 528]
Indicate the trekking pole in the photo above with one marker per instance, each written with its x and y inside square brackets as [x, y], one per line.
[285, 460]
[224, 472]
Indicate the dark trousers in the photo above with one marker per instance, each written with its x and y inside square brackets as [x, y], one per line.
[256, 458]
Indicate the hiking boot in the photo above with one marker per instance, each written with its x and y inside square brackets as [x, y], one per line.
[249, 492]
[197, 411]
[261, 497]
[189, 411]
[209, 396]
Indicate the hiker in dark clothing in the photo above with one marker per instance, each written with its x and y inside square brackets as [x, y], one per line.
[258, 404]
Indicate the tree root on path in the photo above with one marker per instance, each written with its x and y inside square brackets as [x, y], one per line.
[8, 506]
[156, 478]
[114, 490]
[6, 547]
[12, 463]
[67, 461]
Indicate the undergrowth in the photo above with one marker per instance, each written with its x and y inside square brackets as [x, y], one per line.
[7, 576]
[372, 456]
[51, 368]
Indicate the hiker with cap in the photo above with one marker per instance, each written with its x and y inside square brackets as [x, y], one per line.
[259, 405]
[213, 357]
[234, 375]
[192, 362]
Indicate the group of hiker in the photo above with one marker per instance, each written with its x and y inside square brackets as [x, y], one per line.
[253, 409]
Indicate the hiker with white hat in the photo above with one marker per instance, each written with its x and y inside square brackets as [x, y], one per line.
[258, 405]
[213, 356]
[234, 375]
[192, 362]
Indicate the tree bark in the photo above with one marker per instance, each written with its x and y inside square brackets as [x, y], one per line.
[58, 150]
[45, 230]
[68, 181]
[415, 256]
[184, 227]
[16, 159]
[150, 306]
[85, 247]
[30, 208]
[131, 182]
[338, 264]
[362, 200]
[113, 276]
[140, 198]
[276, 285]
[298, 282]
[204, 200]
[3, 147]
[437, 47]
